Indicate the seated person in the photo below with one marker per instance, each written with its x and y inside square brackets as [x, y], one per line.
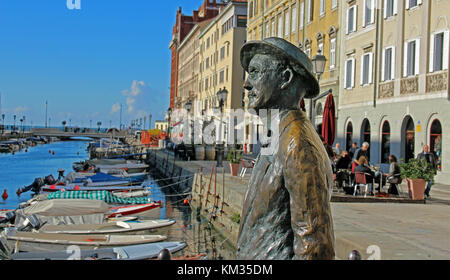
[37, 185]
[344, 162]
[363, 167]
[394, 176]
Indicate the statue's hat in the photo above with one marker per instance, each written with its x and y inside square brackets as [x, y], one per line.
[297, 59]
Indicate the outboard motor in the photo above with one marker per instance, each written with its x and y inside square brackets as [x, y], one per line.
[31, 222]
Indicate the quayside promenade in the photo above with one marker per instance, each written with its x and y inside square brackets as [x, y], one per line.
[378, 228]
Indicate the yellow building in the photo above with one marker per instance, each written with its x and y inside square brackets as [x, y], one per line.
[312, 25]
[220, 45]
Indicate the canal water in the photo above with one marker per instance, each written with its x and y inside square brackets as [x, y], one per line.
[23, 167]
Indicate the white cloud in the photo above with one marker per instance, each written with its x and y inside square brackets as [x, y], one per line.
[137, 89]
[115, 108]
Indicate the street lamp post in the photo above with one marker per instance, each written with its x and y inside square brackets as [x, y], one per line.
[188, 107]
[318, 65]
[222, 95]
[3, 123]
[169, 113]
[14, 127]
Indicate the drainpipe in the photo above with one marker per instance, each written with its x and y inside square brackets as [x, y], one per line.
[377, 50]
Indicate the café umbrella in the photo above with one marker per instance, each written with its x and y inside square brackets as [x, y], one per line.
[329, 121]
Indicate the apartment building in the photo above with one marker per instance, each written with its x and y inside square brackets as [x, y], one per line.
[394, 92]
[311, 25]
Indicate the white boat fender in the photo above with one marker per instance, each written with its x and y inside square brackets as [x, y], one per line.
[123, 225]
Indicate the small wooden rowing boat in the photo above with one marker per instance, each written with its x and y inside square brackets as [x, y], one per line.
[107, 228]
[134, 252]
[44, 242]
[132, 209]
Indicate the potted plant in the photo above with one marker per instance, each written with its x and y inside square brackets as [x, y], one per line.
[234, 158]
[417, 173]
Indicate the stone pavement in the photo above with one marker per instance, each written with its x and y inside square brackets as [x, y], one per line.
[401, 231]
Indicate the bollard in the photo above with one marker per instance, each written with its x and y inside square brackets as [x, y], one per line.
[164, 254]
[5, 195]
[354, 255]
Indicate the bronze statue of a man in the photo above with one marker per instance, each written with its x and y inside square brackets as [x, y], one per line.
[286, 213]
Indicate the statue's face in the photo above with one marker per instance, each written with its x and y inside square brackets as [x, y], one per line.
[263, 81]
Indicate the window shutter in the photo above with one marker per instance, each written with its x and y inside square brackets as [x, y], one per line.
[353, 73]
[361, 76]
[385, 8]
[393, 63]
[445, 51]
[417, 57]
[372, 11]
[383, 64]
[394, 3]
[405, 59]
[355, 15]
[407, 4]
[348, 20]
[431, 66]
[370, 67]
[346, 75]
[419, 2]
[364, 8]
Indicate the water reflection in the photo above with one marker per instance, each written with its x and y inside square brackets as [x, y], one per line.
[192, 226]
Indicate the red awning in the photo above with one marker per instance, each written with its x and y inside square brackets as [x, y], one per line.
[329, 121]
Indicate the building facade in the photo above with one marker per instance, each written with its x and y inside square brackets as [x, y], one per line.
[394, 92]
[161, 125]
[310, 25]
[183, 25]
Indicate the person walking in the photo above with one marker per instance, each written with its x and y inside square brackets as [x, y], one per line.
[431, 159]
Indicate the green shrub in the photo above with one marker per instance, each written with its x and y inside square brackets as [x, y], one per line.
[234, 156]
[418, 169]
[236, 217]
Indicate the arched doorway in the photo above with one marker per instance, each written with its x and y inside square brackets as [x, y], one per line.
[348, 136]
[408, 137]
[385, 142]
[365, 134]
[436, 141]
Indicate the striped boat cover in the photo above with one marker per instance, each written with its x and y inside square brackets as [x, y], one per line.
[99, 195]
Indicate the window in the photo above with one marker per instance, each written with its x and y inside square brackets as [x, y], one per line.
[308, 51]
[207, 63]
[349, 136]
[385, 142]
[439, 51]
[207, 43]
[365, 133]
[294, 19]
[350, 73]
[310, 10]
[221, 76]
[390, 8]
[222, 53]
[228, 50]
[255, 11]
[206, 83]
[366, 69]
[273, 27]
[334, 4]
[411, 58]
[267, 29]
[368, 12]
[226, 76]
[388, 64]
[412, 3]
[436, 142]
[320, 48]
[351, 19]
[286, 23]
[322, 7]
[332, 53]
[250, 10]
[302, 12]
[280, 26]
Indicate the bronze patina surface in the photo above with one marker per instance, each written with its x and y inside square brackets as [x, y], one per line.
[286, 212]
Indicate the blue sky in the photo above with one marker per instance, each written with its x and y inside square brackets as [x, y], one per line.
[86, 62]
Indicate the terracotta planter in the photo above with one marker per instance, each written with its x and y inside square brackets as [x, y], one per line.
[416, 188]
[234, 169]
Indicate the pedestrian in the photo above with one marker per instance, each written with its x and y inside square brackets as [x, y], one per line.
[337, 149]
[430, 158]
[353, 149]
[394, 177]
